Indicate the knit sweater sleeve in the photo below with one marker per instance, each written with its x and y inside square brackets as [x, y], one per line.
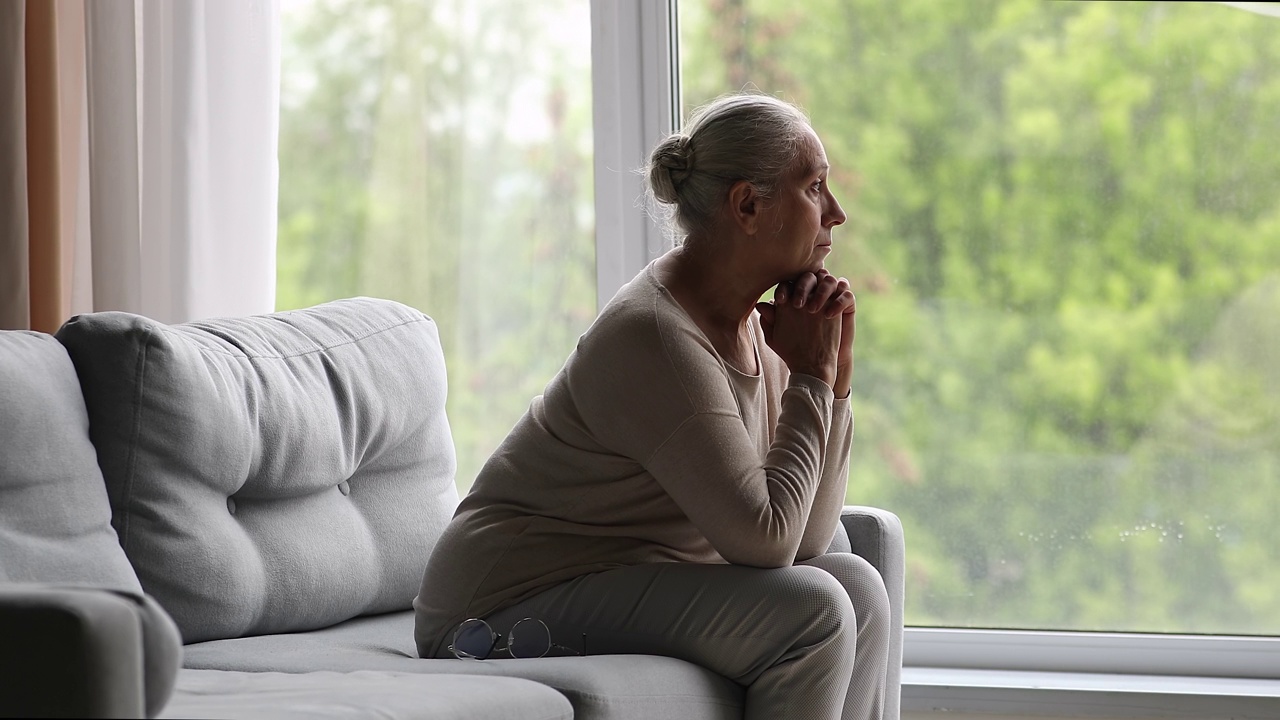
[651, 388]
[752, 514]
[829, 500]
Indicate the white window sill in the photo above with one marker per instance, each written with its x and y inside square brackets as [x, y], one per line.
[929, 691]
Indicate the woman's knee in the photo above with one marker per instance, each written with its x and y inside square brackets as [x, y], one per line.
[818, 601]
[859, 580]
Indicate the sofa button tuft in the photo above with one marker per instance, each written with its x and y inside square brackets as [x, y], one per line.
[344, 487]
[231, 505]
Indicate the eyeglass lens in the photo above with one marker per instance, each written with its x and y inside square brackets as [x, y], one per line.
[474, 639]
[529, 638]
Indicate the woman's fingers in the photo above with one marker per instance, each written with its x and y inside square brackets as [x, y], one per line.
[817, 292]
[782, 293]
[801, 288]
[822, 293]
[842, 301]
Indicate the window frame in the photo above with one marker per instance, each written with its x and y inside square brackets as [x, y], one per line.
[1219, 656]
[635, 91]
[636, 102]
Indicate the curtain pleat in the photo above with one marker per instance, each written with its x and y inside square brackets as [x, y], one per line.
[45, 246]
[73, 159]
[15, 311]
[113, 155]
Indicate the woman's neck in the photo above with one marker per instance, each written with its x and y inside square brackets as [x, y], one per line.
[718, 296]
[711, 284]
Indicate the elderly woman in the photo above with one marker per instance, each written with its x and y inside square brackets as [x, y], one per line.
[675, 488]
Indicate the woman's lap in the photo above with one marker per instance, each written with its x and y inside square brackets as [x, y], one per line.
[738, 621]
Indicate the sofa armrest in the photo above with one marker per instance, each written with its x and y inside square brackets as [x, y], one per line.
[876, 535]
[84, 652]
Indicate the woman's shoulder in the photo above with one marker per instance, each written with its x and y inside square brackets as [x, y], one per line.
[643, 342]
[645, 320]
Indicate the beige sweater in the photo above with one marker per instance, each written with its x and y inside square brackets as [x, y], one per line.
[644, 448]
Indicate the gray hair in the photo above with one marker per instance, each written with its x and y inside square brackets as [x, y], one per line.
[743, 136]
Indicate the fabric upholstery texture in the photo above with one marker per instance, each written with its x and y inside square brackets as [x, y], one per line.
[55, 521]
[877, 535]
[362, 694]
[617, 687]
[274, 473]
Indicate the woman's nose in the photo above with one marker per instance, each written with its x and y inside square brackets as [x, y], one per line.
[835, 214]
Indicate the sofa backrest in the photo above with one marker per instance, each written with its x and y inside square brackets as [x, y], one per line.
[55, 522]
[274, 473]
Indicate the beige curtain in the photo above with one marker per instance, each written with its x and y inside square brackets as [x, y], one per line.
[137, 158]
[43, 214]
[15, 303]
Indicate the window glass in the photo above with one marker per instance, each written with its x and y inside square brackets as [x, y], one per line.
[439, 154]
[1064, 234]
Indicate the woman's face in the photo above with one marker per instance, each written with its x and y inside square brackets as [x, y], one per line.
[800, 218]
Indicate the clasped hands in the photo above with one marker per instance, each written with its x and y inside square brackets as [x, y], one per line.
[810, 325]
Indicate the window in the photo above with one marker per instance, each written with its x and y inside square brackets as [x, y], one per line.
[440, 154]
[1065, 238]
[1064, 232]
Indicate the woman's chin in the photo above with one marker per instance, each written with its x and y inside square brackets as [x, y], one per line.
[818, 260]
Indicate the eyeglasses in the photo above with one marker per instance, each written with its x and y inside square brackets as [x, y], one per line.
[528, 638]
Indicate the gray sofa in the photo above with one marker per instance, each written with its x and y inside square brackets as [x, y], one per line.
[230, 519]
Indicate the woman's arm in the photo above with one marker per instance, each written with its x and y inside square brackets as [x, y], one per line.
[752, 514]
[829, 500]
[826, 294]
[649, 387]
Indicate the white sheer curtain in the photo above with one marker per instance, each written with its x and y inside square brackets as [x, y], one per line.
[183, 112]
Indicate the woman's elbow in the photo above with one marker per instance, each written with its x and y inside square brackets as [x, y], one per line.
[808, 551]
[762, 555]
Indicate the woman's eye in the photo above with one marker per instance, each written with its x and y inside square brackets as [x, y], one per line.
[817, 187]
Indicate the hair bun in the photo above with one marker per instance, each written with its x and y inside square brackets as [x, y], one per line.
[681, 156]
[669, 166]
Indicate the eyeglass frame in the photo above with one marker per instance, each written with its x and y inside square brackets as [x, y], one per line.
[496, 637]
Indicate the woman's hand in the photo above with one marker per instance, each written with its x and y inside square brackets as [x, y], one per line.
[826, 300]
[832, 296]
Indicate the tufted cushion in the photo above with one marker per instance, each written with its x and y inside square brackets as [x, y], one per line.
[55, 523]
[274, 473]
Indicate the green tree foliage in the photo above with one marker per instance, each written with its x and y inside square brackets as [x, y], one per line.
[1065, 238]
[438, 154]
[1064, 233]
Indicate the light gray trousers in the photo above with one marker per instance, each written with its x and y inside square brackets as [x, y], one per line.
[809, 642]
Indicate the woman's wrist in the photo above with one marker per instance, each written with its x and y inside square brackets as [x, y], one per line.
[825, 373]
[843, 384]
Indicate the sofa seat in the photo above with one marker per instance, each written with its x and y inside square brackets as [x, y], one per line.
[603, 686]
[364, 694]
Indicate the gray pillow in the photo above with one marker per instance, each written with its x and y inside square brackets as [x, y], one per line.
[274, 473]
[55, 522]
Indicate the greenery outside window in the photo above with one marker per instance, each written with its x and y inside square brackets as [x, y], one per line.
[440, 154]
[1065, 238]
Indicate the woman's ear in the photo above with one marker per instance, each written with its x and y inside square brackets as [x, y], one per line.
[744, 205]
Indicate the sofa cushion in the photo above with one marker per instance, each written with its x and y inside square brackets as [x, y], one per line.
[55, 522]
[600, 687]
[273, 473]
[362, 694]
